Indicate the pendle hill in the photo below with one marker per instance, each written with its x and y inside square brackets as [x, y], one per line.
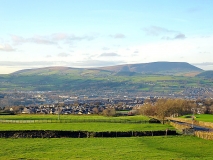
[155, 77]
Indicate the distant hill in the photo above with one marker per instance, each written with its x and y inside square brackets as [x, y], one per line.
[157, 77]
[165, 68]
[155, 68]
[206, 74]
[45, 70]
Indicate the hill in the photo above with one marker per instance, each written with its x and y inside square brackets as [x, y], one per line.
[155, 68]
[206, 74]
[164, 68]
[159, 78]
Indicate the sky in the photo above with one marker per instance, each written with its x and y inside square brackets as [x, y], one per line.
[94, 33]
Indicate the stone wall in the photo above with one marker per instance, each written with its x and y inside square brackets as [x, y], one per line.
[80, 134]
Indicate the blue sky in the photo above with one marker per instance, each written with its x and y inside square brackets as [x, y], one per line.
[92, 33]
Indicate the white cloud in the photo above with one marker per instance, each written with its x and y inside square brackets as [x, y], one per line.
[175, 37]
[105, 48]
[173, 50]
[108, 54]
[52, 39]
[118, 36]
[6, 48]
[18, 39]
[180, 36]
[12, 66]
[165, 34]
[48, 56]
[205, 65]
[41, 40]
[63, 55]
[59, 36]
[156, 31]
[36, 39]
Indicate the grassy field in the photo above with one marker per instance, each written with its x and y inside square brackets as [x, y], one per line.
[71, 117]
[201, 117]
[204, 117]
[97, 126]
[176, 147]
[160, 147]
[80, 123]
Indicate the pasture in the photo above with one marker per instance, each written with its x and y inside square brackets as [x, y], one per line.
[154, 147]
[170, 147]
[86, 126]
[201, 117]
[204, 117]
[71, 117]
[80, 123]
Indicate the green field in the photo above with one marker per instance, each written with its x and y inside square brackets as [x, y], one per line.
[86, 126]
[165, 148]
[80, 123]
[159, 147]
[201, 117]
[204, 117]
[71, 117]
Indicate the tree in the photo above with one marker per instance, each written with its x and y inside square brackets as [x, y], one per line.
[95, 110]
[147, 109]
[109, 112]
[162, 109]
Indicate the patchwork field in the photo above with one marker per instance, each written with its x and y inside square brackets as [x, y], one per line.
[154, 147]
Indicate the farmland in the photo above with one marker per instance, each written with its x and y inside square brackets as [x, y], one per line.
[80, 123]
[69, 117]
[86, 126]
[204, 117]
[154, 147]
[176, 147]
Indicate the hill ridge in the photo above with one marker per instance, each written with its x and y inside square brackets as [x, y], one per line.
[143, 68]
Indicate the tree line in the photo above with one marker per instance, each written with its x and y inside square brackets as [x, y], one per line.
[162, 108]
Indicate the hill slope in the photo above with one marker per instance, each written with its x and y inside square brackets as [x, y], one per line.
[158, 77]
[206, 74]
[166, 68]
[155, 68]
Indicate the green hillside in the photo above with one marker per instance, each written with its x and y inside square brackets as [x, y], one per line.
[90, 80]
[171, 68]
[206, 74]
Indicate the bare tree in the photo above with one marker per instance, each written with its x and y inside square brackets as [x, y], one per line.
[109, 112]
[95, 110]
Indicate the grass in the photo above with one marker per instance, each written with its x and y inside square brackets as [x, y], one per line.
[80, 123]
[176, 147]
[71, 117]
[201, 117]
[97, 126]
[164, 147]
[204, 117]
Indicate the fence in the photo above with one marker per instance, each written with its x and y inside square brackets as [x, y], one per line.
[73, 121]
